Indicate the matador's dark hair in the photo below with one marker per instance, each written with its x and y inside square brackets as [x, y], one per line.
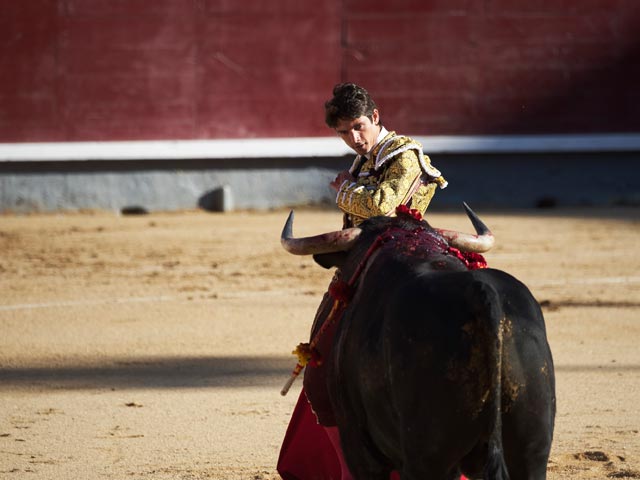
[349, 101]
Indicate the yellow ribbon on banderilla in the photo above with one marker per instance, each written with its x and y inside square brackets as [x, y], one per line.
[307, 353]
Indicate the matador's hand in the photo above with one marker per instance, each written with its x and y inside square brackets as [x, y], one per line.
[343, 176]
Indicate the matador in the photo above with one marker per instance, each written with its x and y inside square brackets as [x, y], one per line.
[389, 170]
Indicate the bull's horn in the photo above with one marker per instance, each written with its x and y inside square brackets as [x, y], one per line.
[338, 241]
[466, 242]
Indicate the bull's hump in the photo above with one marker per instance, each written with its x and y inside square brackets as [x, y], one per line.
[421, 243]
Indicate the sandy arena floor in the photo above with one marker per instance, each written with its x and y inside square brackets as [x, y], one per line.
[154, 347]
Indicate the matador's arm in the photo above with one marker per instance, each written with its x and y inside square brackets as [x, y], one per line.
[367, 200]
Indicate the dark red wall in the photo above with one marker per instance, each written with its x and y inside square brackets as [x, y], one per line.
[501, 66]
[74, 70]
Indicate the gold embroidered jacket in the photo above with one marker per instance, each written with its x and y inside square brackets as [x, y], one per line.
[396, 172]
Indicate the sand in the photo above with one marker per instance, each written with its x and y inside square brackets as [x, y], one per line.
[155, 346]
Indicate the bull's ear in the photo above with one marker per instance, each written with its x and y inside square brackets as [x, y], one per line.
[328, 260]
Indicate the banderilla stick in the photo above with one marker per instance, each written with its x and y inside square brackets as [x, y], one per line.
[292, 378]
[303, 359]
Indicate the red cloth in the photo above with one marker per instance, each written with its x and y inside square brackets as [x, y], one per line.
[306, 452]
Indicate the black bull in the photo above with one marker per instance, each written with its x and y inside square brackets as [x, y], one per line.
[433, 369]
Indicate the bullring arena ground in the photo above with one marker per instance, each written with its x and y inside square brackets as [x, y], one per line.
[155, 346]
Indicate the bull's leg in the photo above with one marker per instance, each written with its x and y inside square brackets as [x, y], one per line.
[527, 424]
[532, 435]
[529, 407]
[365, 461]
[432, 471]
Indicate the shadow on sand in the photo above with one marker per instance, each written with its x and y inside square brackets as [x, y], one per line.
[186, 372]
[181, 372]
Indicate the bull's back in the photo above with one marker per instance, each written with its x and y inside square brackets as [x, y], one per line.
[427, 353]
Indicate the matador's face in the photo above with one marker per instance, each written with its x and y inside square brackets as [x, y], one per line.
[360, 133]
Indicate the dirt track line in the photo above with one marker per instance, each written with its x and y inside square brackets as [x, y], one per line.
[586, 281]
[76, 303]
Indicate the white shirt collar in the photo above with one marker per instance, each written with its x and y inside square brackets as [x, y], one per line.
[383, 133]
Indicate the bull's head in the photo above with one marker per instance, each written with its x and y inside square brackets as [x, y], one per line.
[330, 249]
